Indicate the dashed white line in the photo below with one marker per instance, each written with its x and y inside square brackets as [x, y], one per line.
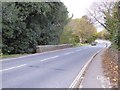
[13, 67]
[68, 53]
[103, 86]
[49, 58]
[26, 64]
[40, 60]
[78, 50]
[81, 49]
[81, 86]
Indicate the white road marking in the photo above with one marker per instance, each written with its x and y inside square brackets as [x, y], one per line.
[81, 86]
[13, 67]
[26, 64]
[68, 53]
[103, 86]
[49, 58]
[79, 50]
[82, 71]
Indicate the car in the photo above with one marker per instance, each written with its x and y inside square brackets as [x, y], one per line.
[93, 44]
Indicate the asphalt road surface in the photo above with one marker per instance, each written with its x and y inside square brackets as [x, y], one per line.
[56, 69]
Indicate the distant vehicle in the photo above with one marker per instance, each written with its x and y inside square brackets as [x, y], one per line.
[93, 43]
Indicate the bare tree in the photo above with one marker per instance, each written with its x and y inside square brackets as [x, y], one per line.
[99, 11]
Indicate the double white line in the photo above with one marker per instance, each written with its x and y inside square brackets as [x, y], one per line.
[80, 74]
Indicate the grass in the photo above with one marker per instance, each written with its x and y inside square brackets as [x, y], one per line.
[11, 56]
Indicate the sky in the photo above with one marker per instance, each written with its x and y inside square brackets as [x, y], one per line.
[79, 8]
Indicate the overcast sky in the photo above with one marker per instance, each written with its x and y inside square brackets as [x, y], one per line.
[77, 7]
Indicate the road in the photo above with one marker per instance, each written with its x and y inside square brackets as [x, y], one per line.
[56, 69]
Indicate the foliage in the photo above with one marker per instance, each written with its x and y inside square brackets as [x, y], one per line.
[68, 36]
[79, 30]
[104, 35]
[11, 56]
[107, 14]
[27, 24]
[112, 21]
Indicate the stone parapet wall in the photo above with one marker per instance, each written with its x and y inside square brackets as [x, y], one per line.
[44, 48]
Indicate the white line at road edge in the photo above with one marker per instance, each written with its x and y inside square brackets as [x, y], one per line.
[82, 71]
[13, 67]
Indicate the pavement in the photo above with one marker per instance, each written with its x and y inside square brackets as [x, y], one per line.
[56, 69]
[94, 76]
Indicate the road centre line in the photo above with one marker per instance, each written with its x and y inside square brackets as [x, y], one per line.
[68, 53]
[13, 67]
[40, 60]
[49, 58]
[74, 51]
[79, 50]
[26, 64]
[58, 56]
[102, 86]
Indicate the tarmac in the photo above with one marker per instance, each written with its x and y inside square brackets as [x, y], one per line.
[94, 76]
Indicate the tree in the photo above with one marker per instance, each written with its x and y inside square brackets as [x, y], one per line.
[0, 28]
[81, 29]
[114, 24]
[99, 11]
[86, 30]
[104, 35]
[27, 24]
[107, 14]
[68, 36]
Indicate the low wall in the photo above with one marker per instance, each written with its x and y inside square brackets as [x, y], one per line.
[44, 48]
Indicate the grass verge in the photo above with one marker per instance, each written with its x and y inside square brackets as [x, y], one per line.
[11, 56]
